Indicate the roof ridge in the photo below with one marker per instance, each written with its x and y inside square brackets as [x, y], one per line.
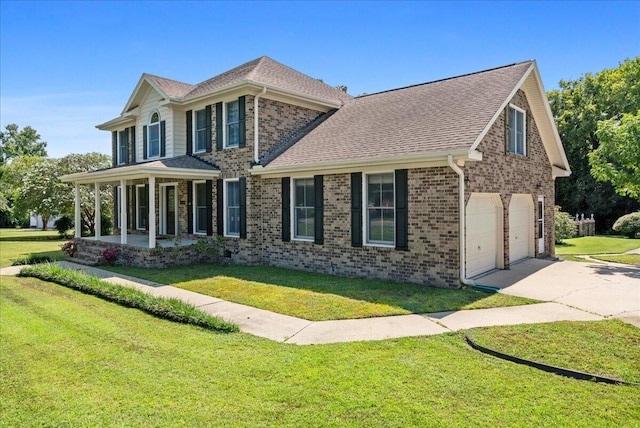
[167, 78]
[447, 78]
[259, 63]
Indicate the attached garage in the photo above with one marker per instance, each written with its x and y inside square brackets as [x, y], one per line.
[483, 233]
[520, 227]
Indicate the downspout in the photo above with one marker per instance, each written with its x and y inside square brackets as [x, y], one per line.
[256, 156]
[461, 217]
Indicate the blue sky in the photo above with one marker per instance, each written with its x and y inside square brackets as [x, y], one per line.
[67, 66]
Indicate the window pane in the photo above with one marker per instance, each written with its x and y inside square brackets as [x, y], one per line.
[388, 226]
[233, 112]
[155, 117]
[233, 135]
[233, 223]
[201, 119]
[375, 225]
[304, 223]
[153, 141]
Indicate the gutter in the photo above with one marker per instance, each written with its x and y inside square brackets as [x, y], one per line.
[461, 217]
[256, 157]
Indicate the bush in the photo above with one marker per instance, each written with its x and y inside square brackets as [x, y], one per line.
[69, 248]
[565, 226]
[63, 225]
[30, 259]
[628, 225]
[161, 307]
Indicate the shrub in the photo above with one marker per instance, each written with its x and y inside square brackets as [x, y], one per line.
[110, 255]
[161, 307]
[69, 248]
[30, 259]
[63, 225]
[628, 225]
[565, 226]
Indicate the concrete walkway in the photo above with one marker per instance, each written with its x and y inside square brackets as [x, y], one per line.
[284, 328]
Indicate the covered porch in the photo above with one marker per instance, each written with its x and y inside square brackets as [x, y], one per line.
[157, 220]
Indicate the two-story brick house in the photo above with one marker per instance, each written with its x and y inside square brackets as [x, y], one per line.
[433, 183]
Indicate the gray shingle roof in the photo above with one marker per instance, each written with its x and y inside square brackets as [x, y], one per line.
[440, 116]
[182, 162]
[262, 70]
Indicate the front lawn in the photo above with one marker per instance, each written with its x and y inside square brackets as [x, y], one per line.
[317, 297]
[628, 259]
[587, 245]
[15, 243]
[70, 359]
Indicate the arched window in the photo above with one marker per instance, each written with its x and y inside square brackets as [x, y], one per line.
[153, 135]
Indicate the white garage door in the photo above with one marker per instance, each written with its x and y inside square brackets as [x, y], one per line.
[482, 234]
[520, 227]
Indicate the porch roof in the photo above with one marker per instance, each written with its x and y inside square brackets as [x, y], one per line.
[187, 167]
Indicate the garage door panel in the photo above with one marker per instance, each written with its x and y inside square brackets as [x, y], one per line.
[520, 227]
[481, 234]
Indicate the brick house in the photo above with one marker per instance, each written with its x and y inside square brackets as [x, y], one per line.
[433, 183]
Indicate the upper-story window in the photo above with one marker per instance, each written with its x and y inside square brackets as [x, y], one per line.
[517, 134]
[380, 212]
[200, 131]
[122, 147]
[232, 124]
[153, 137]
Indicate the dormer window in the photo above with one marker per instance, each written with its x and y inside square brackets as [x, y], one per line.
[232, 124]
[153, 135]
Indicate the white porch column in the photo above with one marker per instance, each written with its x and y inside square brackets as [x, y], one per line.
[98, 215]
[123, 212]
[152, 211]
[77, 218]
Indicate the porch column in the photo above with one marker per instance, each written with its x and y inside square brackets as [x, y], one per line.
[152, 211]
[123, 212]
[77, 218]
[98, 215]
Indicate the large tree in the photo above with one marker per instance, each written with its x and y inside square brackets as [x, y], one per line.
[15, 143]
[578, 106]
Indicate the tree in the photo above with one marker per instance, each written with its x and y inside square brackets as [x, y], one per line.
[578, 106]
[15, 143]
[617, 159]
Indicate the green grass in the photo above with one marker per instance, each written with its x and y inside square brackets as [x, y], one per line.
[317, 297]
[608, 348]
[629, 259]
[162, 307]
[15, 243]
[70, 359]
[596, 245]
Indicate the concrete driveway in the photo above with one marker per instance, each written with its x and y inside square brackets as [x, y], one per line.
[610, 290]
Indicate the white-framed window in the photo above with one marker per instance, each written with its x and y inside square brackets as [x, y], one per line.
[153, 135]
[200, 207]
[379, 215]
[517, 133]
[122, 147]
[232, 124]
[303, 196]
[142, 207]
[232, 207]
[200, 131]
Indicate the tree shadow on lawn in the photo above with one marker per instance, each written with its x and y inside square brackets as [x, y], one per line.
[413, 298]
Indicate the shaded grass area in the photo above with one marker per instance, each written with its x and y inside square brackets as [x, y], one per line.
[70, 359]
[15, 243]
[318, 297]
[163, 307]
[608, 348]
[629, 259]
[586, 245]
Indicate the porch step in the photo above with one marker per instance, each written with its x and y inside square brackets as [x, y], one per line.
[86, 258]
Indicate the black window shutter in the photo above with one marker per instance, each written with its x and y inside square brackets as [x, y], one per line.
[134, 208]
[190, 207]
[163, 138]
[219, 120]
[527, 132]
[506, 129]
[242, 126]
[220, 207]
[356, 209]
[318, 209]
[207, 137]
[286, 209]
[402, 210]
[146, 204]
[132, 147]
[209, 187]
[114, 148]
[189, 132]
[243, 207]
[144, 142]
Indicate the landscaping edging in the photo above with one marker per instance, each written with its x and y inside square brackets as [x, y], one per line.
[546, 367]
